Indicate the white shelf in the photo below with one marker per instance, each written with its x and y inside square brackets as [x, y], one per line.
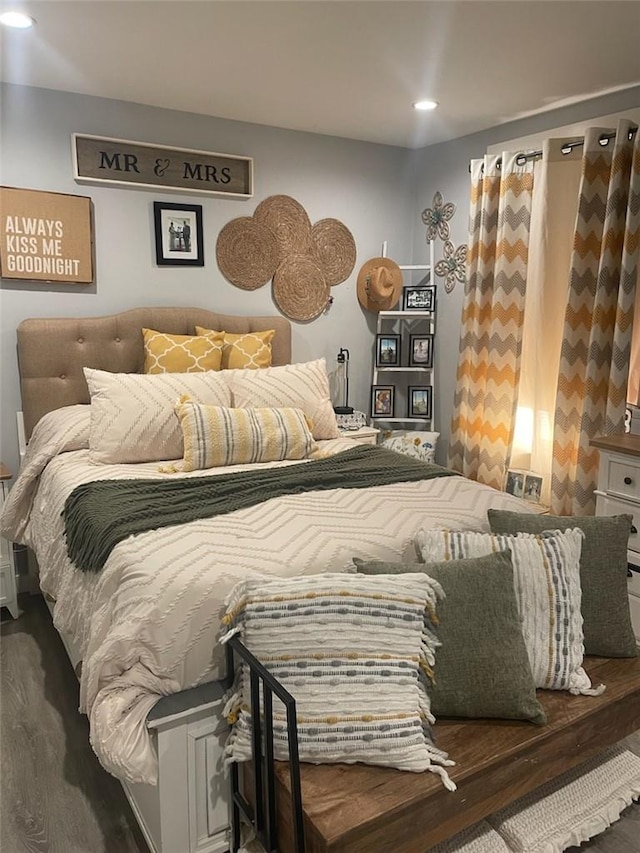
[417, 315]
[402, 420]
[403, 369]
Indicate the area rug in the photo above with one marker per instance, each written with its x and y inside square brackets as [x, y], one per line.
[573, 807]
[563, 813]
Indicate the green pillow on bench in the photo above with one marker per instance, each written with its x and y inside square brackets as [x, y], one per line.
[482, 667]
[603, 574]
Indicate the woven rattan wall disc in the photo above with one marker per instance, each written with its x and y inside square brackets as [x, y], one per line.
[299, 288]
[334, 249]
[247, 253]
[288, 220]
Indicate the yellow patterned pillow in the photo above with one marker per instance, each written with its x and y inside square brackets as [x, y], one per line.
[252, 349]
[215, 435]
[181, 353]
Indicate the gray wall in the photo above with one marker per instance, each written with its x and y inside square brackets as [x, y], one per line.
[366, 186]
[445, 167]
[377, 191]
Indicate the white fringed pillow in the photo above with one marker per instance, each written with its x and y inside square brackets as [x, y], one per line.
[133, 415]
[299, 386]
[214, 435]
[547, 584]
[355, 652]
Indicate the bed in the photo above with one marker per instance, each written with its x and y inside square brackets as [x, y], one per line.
[142, 632]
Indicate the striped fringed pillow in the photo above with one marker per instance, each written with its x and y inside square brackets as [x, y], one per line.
[547, 584]
[355, 651]
[215, 436]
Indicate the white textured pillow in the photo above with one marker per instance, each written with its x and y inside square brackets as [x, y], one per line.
[298, 386]
[546, 571]
[133, 415]
[354, 651]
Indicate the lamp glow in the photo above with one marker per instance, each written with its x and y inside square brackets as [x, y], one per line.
[17, 20]
[425, 105]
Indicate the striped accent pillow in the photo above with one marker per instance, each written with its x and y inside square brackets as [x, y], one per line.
[356, 652]
[547, 584]
[302, 386]
[216, 435]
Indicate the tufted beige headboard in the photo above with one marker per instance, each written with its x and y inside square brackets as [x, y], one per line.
[52, 352]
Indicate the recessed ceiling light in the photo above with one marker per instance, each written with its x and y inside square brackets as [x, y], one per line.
[425, 105]
[17, 20]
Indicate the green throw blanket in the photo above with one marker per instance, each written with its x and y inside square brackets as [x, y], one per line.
[98, 515]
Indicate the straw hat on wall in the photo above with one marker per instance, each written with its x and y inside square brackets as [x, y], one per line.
[379, 284]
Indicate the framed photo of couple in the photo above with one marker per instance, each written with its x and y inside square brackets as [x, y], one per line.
[179, 236]
[382, 401]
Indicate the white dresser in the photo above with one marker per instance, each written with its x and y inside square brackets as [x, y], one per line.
[8, 595]
[619, 491]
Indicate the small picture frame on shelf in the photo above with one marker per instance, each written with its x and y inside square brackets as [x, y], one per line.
[420, 350]
[420, 399]
[515, 483]
[179, 234]
[532, 488]
[419, 297]
[382, 401]
[387, 350]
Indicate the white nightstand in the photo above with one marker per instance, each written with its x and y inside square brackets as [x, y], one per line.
[619, 492]
[364, 435]
[8, 594]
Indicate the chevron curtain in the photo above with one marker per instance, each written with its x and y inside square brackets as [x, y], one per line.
[492, 318]
[596, 347]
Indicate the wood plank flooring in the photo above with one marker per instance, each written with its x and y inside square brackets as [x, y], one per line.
[54, 795]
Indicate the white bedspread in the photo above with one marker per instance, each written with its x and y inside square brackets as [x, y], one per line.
[147, 624]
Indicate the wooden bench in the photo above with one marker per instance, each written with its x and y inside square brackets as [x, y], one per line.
[361, 809]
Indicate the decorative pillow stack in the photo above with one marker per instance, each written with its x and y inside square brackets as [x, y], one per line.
[133, 416]
[165, 353]
[354, 651]
[249, 350]
[301, 386]
[215, 436]
[547, 587]
[482, 667]
[603, 574]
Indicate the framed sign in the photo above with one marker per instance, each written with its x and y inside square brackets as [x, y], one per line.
[140, 164]
[419, 297]
[46, 236]
[178, 234]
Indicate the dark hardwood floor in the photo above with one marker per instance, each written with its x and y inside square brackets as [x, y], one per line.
[54, 795]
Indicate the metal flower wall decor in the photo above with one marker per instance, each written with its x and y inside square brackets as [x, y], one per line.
[453, 266]
[437, 218]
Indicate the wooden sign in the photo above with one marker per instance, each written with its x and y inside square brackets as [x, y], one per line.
[138, 164]
[45, 236]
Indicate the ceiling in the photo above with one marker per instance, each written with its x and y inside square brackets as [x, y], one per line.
[349, 69]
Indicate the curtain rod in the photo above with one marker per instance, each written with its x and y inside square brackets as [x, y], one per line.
[567, 147]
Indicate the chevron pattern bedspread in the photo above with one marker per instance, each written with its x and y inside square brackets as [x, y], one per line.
[148, 624]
